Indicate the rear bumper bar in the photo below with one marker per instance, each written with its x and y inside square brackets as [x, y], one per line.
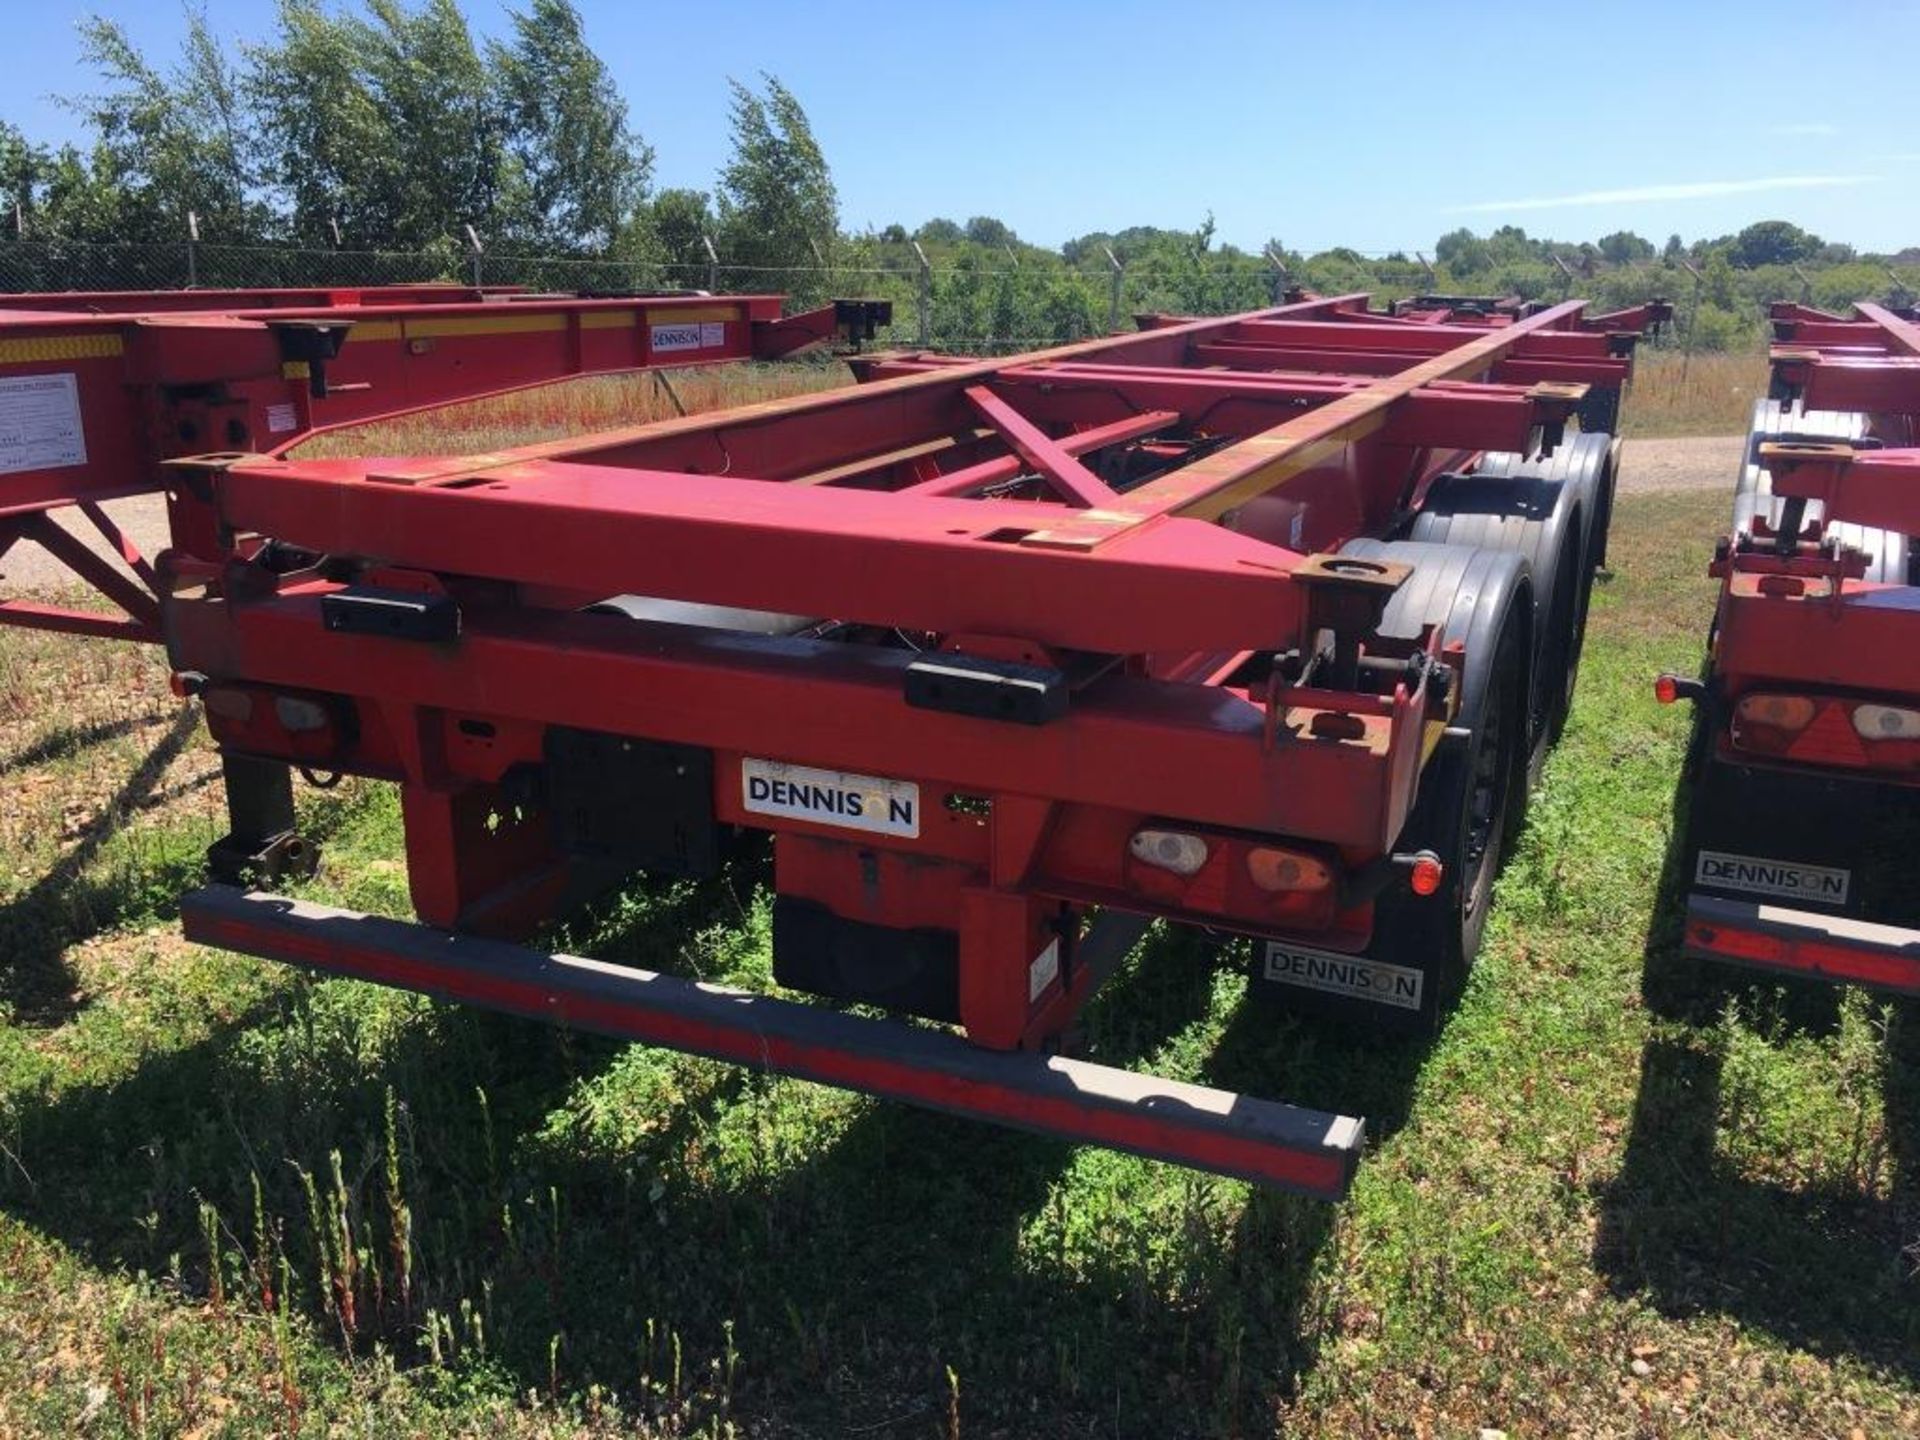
[1305, 1151]
[1802, 942]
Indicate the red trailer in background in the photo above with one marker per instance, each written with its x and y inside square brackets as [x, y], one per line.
[1807, 753]
[99, 389]
[1257, 623]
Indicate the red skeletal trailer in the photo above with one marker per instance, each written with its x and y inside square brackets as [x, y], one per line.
[1807, 747]
[1258, 623]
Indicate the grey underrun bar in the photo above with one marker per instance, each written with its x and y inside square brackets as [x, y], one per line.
[1863, 952]
[1273, 1144]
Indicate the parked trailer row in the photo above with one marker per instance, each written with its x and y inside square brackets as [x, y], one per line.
[1806, 753]
[1258, 623]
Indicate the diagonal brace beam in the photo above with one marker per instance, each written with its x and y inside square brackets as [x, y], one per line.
[122, 543]
[1075, 483]
[72, 552]
[1006, 467]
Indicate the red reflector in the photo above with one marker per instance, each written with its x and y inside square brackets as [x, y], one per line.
[1830, 739]
[1666, 690]
[1891, 972]
[1737, 944]
[1426, 874]
[1832, 961]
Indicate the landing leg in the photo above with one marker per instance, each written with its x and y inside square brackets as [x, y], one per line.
[261, 846]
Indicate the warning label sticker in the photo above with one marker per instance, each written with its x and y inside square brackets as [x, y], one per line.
[713, 333]
[1042, 972]
[40, 423]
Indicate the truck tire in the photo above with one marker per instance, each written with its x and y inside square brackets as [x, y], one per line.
[1600, 527]
[1471, 803]
[1590, 461]
[1542, 520]
[1888, 552]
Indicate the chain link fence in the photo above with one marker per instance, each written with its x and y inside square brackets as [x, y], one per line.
[970, 305]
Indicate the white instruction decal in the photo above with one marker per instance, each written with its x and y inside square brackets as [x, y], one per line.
[40, 423]
[676, 337]
[1040, 973]
[831, 797]
[713, 333]
[281, 418]
[1354, 976]
[1772, 877]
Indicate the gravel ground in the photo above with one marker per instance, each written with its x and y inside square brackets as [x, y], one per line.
[27, 567]
[1685, 464]
[1695, 462]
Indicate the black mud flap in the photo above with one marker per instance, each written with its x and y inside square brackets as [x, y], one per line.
[640, 804]
[1834, 844]
[913, 972]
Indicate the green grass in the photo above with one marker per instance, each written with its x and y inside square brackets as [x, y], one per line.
[581, 406]
[1710, 393]
[236, 1200]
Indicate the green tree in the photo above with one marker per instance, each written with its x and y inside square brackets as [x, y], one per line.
[171, 143]
[775, 197]
[1003, 318]
[1461, 251]
[679, 222]
[1772, 242]
[1192, 269]
[1719, 283]
[1085, 249]
[985, 230]
[1623, 247]
[578, 171]
[1068, 310]
[435, 95]
[940, 231]
[24, 171]
[1511, 245]
[390, 124]
[330, 151]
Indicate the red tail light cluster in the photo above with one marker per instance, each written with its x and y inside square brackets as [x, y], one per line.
[302, 728]
[1231, 875]
[1827, 730]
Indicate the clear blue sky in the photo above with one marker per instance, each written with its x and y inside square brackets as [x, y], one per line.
[1371, 125]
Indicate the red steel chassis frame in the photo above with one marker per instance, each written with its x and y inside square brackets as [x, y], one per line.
[1797, 617]
[966, 503]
